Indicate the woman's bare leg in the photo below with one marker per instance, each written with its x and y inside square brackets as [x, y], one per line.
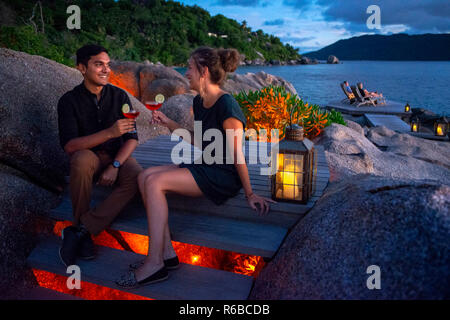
[156, 186]
[169, 251]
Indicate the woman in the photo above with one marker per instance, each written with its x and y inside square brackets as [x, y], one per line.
[366, 94]
[216, 109]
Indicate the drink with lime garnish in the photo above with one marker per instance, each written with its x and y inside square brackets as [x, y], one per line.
[156, 104]
[130, 114]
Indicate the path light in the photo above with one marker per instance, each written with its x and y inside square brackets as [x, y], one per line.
[415, 125]
[295, 178]
[407, 107]
[441, 127]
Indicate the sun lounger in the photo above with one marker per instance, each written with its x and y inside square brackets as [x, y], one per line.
[350, 96]
[361, 101]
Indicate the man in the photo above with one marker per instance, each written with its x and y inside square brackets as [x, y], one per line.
[347, 87]
[95, 134]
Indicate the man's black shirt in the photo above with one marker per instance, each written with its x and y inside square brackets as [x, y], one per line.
[80, 114]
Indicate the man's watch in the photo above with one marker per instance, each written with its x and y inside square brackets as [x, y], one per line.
[116, 164]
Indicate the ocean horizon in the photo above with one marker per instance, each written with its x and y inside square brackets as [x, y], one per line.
[424, 84]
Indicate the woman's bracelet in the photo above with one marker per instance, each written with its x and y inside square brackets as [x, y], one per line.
[248, 196]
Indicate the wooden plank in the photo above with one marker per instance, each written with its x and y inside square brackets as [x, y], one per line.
[189, 282]
[254, 238]
[388, 121]
[391, 107]
[165, 156]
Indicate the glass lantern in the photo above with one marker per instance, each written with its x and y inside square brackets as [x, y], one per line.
[407, 107]
[295, 178]
[441, 127]
[415, 125]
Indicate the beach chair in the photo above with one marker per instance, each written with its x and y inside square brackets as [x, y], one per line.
[361, 101]
[350, 96]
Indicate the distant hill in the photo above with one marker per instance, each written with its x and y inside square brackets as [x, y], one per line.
[424, 47]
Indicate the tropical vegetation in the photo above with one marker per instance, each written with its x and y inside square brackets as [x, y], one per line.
[134, 30]
[274, 108]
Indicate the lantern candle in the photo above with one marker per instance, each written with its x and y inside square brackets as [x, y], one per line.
[441, 127]
[415, 125]
[407, 107]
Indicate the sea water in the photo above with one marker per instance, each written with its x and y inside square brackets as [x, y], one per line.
[422, 84]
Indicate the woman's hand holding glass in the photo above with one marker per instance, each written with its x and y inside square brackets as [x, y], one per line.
[160, 118]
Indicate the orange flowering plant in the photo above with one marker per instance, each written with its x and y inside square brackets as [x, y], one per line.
[275, 108]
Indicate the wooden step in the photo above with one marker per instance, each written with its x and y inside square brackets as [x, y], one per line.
[189, 282]
[389, 121]
[260, 239]
[41, 293]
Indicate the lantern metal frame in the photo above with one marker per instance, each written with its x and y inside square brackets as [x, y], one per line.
[443, 124]
[295, 144]
[407, 107]
[415, 122]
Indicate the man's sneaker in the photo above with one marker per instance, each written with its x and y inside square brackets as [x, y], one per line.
[86, 249]
[69, 247]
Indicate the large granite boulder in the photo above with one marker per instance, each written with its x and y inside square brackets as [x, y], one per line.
[349, 152]
[435, 152]
[145, 81]
[179, 109]
[401, 226]
[30, 89]
[332, 60]
[254, 81]
[21, 203]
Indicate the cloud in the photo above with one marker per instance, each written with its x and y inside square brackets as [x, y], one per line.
[242, 3]
[417, 16]
[276, 22]
[296, 39]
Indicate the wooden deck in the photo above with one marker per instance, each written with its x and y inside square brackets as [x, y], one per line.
[389, 121]
[233, 226]
[391, 107]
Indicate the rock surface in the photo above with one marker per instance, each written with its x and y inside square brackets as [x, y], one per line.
[21, 202]
[332, 60]
[401, 226]
[179, 109]
[254, 81]
[145, 81]
[435, 152]
[349, 152]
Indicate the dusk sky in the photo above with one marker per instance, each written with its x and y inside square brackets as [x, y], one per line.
[313, 24]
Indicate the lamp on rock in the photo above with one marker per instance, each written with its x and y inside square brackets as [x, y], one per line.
[296, 165]
[415, 125]
[407, 107]
[441, 127]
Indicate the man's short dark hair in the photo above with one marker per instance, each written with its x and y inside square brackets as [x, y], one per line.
[87, 51]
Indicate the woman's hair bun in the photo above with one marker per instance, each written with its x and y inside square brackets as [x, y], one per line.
[229, 59]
